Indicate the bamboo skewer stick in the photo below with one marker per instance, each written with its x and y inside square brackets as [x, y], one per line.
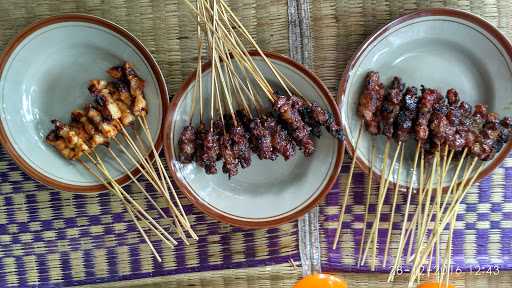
[120, 163]
[463, 188]
[181, 210]
[101, 166]
[381, 184]
[128, 208]
[146, 238]
[406, 214]
[445, 275]
[250, 39]
[347, 188]
[238, 48]
[395, 197]
[175, 214]
[438, 206]
[367, 205]
[182, 218]
[455, 176]
[380, 202]
[426, 216]
[126, 199]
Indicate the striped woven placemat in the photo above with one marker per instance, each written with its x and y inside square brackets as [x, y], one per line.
[483, 233]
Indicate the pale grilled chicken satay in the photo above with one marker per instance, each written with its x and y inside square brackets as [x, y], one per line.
[121, 96]
[116, 72]
[95, 136]
[139, 105]
[53, 138]
[107, 106]
[107, 128]
[72, 137]
[120, 91]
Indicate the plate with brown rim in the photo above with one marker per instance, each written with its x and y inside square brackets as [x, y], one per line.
[44, 73]
[439, 48]
[267, 193]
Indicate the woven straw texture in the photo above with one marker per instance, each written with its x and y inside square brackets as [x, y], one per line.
[483, 233]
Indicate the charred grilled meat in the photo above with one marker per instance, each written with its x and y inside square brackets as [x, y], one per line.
[288, 110]
[261, 140]
[282, 143]
[241, 148]
[315, 117]
[407, 114]
[391, 106]
[370, 102]
[187, 144]
[428, 98]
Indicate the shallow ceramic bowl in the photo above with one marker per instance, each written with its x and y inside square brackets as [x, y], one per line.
[439, 48]
[44, 75]
[267, 193]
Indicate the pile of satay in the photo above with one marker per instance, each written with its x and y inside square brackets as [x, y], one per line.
[292, 124]
[117, 106]
[238, 123]
[436, 121]
[447, 131]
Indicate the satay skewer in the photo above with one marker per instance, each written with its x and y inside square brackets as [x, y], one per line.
[420, 258]
[347, 188]
[126, 198]
[126, 170]
[381, 184]
[180, 207]
[128, 208]
[392, 213]
[382, 195]
[156, 183]
[367, 205]
[406, 213]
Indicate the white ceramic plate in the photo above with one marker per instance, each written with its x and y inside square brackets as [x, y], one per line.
[268, 192]
[44, 75]
[439, 48]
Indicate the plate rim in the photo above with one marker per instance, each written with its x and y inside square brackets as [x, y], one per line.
[474, 19]
[244, 222]
[123, 33]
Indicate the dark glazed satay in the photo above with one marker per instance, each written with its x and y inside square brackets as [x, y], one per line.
[453, 97]
[207, 149]
[211, 151]
[241, 148]
[230, 161]
[288, 110]
[282, 143]
[187, 144]
[407, 114]
[370, 102]
[391, 106]
[426, 104]
[440, 129]
[315, 117]
[261, 140]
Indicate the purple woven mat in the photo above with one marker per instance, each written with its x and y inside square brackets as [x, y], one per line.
[482, 237]
[50, 238]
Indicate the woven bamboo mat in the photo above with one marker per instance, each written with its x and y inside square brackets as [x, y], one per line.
[483, 234]
[283, 277]
[50, 238]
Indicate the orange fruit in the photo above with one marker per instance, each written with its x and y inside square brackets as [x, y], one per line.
[435, 285]
[321, 281]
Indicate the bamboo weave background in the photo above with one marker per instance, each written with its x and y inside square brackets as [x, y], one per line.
[165, 27]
